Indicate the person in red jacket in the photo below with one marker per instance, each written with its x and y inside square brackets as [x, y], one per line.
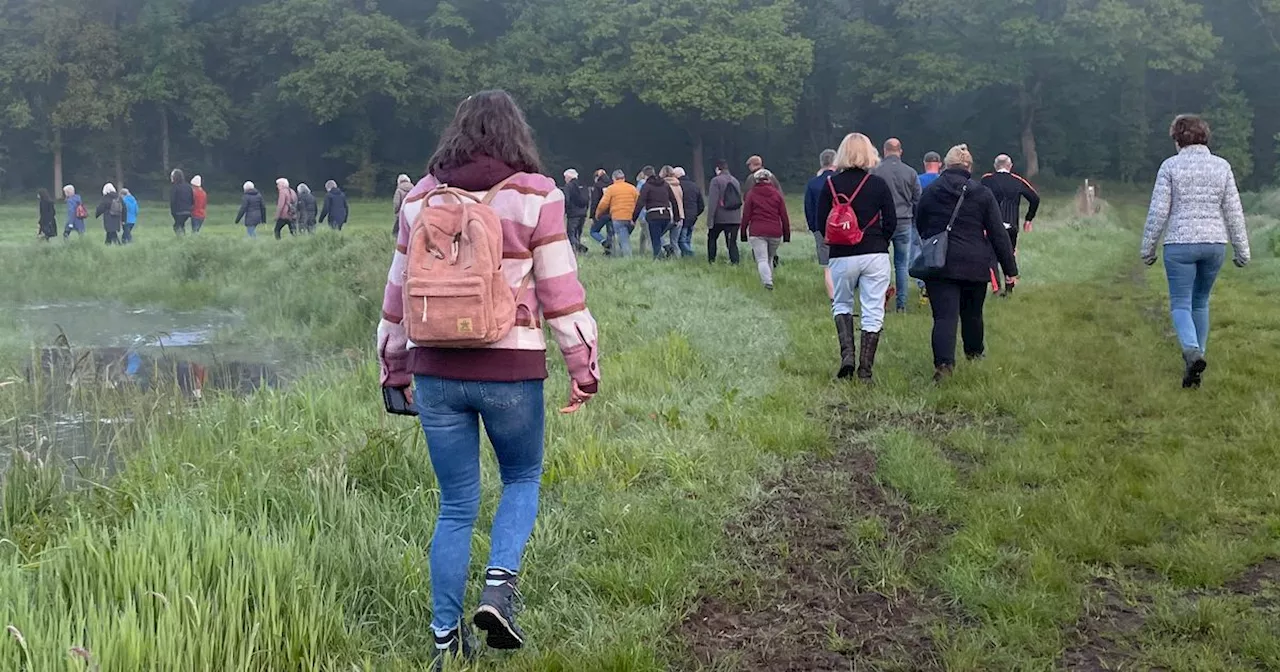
[765, 223]
[199, 203]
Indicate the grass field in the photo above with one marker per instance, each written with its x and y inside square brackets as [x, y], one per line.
[724, 504]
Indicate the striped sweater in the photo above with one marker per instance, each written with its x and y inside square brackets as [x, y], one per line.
[532, 212]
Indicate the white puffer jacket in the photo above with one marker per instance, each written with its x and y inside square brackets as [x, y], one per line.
[1196, 200]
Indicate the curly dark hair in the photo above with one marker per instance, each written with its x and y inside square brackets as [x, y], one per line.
[1188, 130]
[488, 123]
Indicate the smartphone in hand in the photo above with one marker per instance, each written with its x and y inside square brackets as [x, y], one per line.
[397, 402]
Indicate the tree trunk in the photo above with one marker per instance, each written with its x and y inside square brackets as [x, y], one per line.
[164, 139]
[119, 169]
[1030, 155]
[57, 162]
[699, 161]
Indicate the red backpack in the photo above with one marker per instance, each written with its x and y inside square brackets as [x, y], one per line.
[843, 227]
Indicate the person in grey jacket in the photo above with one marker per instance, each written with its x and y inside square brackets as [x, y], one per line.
[905, 185]
[1195, 208]
[307, 209]
[724, 192]
[253, 210]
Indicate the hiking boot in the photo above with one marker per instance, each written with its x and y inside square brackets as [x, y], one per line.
[975, 356]
[870, 342]
[848, 353]
[942, 373]
[457, 644]
[1193, 375]
[496, 615]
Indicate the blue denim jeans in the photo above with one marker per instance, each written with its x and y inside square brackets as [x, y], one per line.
[1192, 270]
[128, 232]
[686, 237]
[514, 419]
[917, 248]
[902, 247]
[599, 225]
[251, 230]
[620, 233]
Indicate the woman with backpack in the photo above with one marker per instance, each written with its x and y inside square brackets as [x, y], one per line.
[76, 212]
[1196, 210]
[967, 212]
[659, 206]
[48, 217]
[111, 210]
[860, 218]
[488, 152]
[306, 209]
[765, 223]
[286, 207]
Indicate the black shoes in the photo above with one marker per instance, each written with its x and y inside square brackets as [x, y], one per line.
[942, 373]
[496, 615]
[458, 644]
[848, 352]
[1193, 375]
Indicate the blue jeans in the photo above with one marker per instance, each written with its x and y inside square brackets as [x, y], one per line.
[602, 224]
[686, 237]
[196, 223]
[251, 230]
[1192, 270]
[902, 247]
[128, 232]
[620, 233]
[514, 419]
[917, 248]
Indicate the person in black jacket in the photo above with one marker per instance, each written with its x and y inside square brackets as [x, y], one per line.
[865, 266]
[307, 209]
[577, 199]
[1009, 189]
[335, 206]
[181, 201]
[253, 210]
[111, 210]
[958, 292]
[660, 206]
[600, 224]
[48, 216]
[694, 206]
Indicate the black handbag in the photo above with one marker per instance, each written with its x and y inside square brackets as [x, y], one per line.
[933, 250]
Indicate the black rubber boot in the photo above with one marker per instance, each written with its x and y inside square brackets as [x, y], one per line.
[848, 352]
[870, 342]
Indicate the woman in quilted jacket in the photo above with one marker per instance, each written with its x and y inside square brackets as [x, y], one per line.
[1195, 209]
[489, 144]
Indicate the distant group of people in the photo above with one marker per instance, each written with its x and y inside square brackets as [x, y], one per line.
[664, 204]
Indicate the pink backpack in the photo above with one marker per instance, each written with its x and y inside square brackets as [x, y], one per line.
[455, 294]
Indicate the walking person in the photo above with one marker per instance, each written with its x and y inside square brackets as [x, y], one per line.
[765, 224]
[111, 211]
[905, 185]
[286, 207]
[1010, 189]
[130, 215]
[182, 201]
[577, 199]
[403, 186]
[253, 211]
[671, 249]
[76, 212]
[48, 226]
[600, 230]
[860, 217]
[725, 196]
[199, 204]
[1195, 211]
[335, 206]
[812, 193]
[307, 209]
[932, 168]
[642, 222]
[489, 150]
[958, 204]
[618, 204]
[658, 206]
[694, 206]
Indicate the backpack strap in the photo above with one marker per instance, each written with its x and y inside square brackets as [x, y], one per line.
[861, 184]
[493, 191]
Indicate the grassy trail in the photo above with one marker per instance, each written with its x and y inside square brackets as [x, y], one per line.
[723, 505]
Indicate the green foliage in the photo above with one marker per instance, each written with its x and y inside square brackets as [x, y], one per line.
[1231, 118]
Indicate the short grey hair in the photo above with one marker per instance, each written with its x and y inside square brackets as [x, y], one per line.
[248, 186]
[827, 158]
[69, 190]
[303, 188]
[282, 183]
[679, 171]
[1004, 162]
[619, 175]
[330, 185]
[762, 175]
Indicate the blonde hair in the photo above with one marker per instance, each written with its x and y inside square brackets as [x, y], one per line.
[857, 151]
[958, 156]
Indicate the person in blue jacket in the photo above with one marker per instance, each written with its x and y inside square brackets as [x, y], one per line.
[130, 215]
[76, 212]
[812, 192]
[335, 206]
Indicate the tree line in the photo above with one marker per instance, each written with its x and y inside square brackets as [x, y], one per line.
[357, 90]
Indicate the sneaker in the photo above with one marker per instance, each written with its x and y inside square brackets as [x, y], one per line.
[496, 615]
[459, 643]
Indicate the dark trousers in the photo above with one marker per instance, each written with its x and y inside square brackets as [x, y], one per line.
[281, 224]
[113, 238]
[573, 229]
[180, 224]
[954, 301]
[730, 233]
[657, 229]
